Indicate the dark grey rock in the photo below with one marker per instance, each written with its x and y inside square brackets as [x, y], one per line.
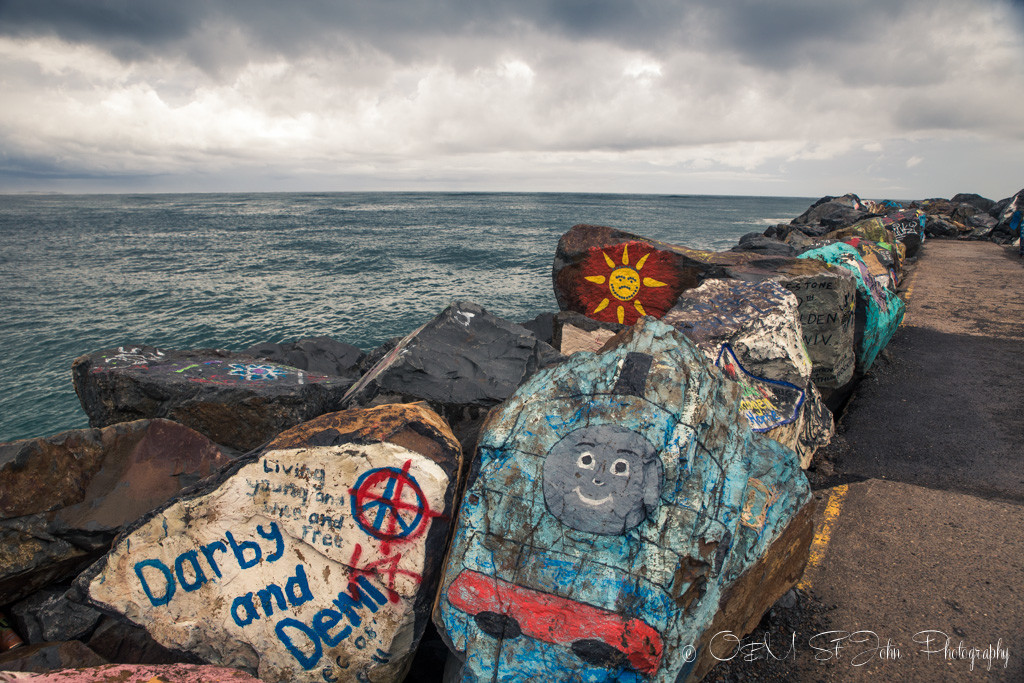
[49, 616]
[120, 642]
[377, 354]
[975, 200]
[45, 657]
[542, 327]
[236, 400]
[833, 212]
[321, 355]
[759, 244]
[936, 226]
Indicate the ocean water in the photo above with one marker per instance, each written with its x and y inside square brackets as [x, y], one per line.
[83, 273]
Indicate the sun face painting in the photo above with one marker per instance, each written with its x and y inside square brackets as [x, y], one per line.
[626, 281]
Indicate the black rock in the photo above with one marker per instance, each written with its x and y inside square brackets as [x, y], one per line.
[45, 657]
[833, 212]
[759, 244]
[236, 400]
[975, 200]
[542, 327]
[936, 226]
[321, 355]
[463, 362]
[48, 616]
[119, 642]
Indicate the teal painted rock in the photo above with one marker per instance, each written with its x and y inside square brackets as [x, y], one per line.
[879, 309]
[615, 501]
[752, 332]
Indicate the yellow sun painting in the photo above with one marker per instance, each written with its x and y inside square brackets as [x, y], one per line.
[628, 291]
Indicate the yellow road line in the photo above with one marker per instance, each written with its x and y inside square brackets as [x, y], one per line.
[906, 297]
[820, 543]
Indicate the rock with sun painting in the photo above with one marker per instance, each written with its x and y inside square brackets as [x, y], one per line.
[752, 332]
[236, 400]
[618, 500]
[316, 559]
[613, 276]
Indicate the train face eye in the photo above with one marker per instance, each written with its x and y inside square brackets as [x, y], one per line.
[620, 467]
[585, 461]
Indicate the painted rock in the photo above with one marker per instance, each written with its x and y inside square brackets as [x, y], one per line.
[825, 293]
[312, 560]
[64, 497]
[133, 673]
[616, 501]
[319, 355]
[462, 363]
[907, 226]
[752, 333]
[238, 401]
[882, 310]
[617, 277]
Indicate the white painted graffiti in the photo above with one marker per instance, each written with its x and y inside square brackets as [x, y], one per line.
[252, 372]
[134, 355]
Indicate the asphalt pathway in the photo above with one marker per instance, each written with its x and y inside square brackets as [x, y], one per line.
[918, 569]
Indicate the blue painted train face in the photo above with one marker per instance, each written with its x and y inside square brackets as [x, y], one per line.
[617, 494]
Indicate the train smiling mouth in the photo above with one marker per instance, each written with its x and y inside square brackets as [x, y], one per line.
[593, 502]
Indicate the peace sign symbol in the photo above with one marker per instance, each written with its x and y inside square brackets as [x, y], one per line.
[388, 504]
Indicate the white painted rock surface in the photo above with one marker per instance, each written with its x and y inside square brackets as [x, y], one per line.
[302, 565]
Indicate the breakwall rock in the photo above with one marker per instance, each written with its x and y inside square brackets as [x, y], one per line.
[315, 559]
[238, 401]
[752, 332]
[64, 497]
[615, 500]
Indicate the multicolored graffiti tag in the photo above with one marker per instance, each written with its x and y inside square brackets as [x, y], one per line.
[766, 403]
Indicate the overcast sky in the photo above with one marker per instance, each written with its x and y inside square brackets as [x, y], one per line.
[886, 98]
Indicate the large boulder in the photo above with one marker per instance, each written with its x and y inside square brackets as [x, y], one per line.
[238, 401]
[314, 559]
[1007, 227]
[463, 362]
[834, 212]
[63, 498]
[619, 505]
[752, 332]
[319, 355]
[618, 277]
[879, 309]
[760, 244]
[975, 200]
[48, 616]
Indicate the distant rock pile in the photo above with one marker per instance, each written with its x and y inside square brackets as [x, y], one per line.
[616, 480]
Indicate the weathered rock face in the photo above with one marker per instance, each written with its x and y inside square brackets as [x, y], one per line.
[760, 244]
[826, 296]
[576, 332]
[132, 673]
[616, 499]
[312, 560]
[319, 355]
[834, 212]
[64, 497]
[975, 200]
[48, 616]
[907, 226]
[617, 277]
[753, 333]
[46, 657]
[882, 310]
[462, 363]
[238, 401]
